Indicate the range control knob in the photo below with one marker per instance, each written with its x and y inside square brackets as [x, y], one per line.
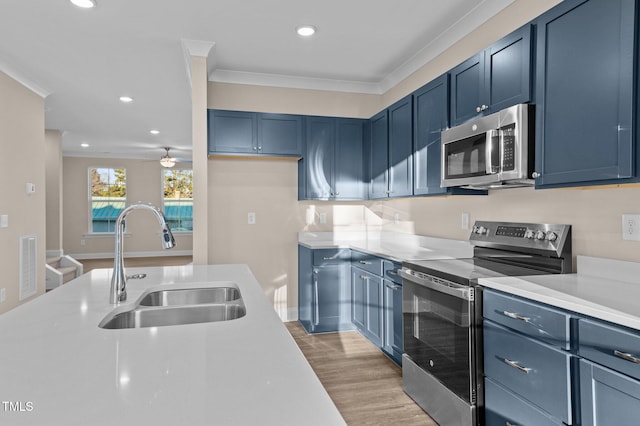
[540, 235]
[552, 236]
[482, 230]
[529, 234]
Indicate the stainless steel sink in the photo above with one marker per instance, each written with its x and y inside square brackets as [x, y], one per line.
[190, 296]
[162, 316]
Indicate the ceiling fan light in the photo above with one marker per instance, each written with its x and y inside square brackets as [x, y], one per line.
[167, 161]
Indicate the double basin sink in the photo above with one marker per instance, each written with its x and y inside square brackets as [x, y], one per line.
[178, 306]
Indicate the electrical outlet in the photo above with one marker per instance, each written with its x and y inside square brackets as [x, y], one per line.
[396, 218]
[3, 294]
[323, 218]
[251, 218]
[464, 221]
[631, 227]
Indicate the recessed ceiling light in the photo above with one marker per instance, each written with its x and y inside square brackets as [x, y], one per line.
[84, 145]
[126, 99]
[306, 30]
[85, 4]
[154, 132]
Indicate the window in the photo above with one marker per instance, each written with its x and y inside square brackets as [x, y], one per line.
[178, 198]
[108, 196]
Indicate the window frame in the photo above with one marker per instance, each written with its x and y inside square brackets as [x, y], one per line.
[162, 198]
[90, 221]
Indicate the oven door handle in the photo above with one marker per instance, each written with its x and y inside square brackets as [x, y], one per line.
[462, 292]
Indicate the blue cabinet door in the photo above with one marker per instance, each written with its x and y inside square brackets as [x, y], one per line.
[494, 79]
[467, 89]
[305, 287]
[401, 148]
[584, 95]
[358, 299]
[367, 300]
[332, 299]
[430, 118]
[508, 70]
[280, 134]
[607, 397]
[379, 156]
[349, 160]
[232, 132]
[318, 161]
[392, 306]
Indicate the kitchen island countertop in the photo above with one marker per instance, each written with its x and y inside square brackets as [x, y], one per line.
[57, 367]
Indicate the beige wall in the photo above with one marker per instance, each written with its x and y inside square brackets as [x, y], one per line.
[143, 184]
[22, 161]
[53, 154]
[268, 188]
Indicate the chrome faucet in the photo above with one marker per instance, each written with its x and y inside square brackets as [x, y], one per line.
[118, 280]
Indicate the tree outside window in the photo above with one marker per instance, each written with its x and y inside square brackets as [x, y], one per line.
[178, 198]
[108, 197]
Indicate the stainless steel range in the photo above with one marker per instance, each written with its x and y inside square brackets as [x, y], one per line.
[442, 313]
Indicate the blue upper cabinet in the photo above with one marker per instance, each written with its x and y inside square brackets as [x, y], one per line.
[251, 133]
[379, 155]
[494, 79]
[429, 119]
[585, 93]
[391, 151]
[333, 166]
[401, 148]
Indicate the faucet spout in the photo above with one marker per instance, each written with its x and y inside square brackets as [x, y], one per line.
[118, 291]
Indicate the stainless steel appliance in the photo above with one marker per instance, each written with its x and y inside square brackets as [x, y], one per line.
[490, 152]
[442, 313]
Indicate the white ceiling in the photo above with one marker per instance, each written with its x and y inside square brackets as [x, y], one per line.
[84, 60]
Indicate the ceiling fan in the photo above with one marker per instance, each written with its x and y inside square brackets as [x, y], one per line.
[166, 160]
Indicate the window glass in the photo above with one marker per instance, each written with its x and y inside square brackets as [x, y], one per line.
[107, 196]
[178, 198]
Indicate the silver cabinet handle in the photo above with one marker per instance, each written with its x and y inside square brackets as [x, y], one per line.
[395, 287]
[515, 365]
[627, 356]
[510, 424]
[392, 273]
[334, 257]
[364, 262]
[316, 313]
[516, 316]
[364, 277]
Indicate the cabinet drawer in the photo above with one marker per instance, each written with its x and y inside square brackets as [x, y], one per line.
[612, 346]
[331, 256]
[390, 271]
[539, 321]
[503, 407]
[368, 262]
[537, 372]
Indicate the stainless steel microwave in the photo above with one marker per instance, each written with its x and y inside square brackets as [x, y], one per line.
[494, 151]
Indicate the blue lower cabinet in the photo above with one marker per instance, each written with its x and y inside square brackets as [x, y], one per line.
[367, 302]
[503, 407]
[324, 290]
[607, 397]
[533, 370]
[392, 336]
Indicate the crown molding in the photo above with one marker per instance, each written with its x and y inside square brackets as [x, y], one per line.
[200, 49]
[23, 79]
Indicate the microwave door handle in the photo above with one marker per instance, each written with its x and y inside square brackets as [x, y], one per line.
[493, 143]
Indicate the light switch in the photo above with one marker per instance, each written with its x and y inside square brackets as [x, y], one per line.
[323, 218]
[4, 221]
[30, 188]
[251, 218]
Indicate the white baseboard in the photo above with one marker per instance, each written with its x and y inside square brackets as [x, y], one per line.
[292, 315]
[109, 255]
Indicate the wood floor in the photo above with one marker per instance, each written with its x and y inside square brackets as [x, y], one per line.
[364, 384]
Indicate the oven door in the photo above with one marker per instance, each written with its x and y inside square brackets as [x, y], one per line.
[440, 331]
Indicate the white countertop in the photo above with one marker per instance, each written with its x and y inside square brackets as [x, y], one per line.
[247, 371]
[390, 245]
[606, 289]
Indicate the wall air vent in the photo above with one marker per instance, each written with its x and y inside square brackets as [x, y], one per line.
[28, 267]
